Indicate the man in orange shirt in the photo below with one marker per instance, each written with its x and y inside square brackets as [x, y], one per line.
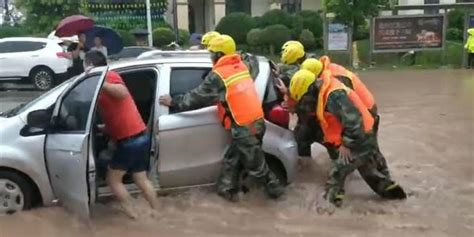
[124, 125]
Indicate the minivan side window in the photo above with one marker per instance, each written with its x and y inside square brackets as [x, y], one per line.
[185, 79]
[25, 46]
[76, 106]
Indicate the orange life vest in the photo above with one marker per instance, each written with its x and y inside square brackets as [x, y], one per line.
[359, 88]
[241, 96]
[330, 124]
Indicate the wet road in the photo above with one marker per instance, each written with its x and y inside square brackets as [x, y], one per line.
[426, 135]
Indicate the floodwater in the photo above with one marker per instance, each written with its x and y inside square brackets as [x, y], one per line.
[426, 135]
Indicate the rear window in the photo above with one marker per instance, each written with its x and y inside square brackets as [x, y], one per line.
[25, 46]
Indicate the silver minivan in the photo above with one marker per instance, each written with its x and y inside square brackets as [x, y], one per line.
[51, 148]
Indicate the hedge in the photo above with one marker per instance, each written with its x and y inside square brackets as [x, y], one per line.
[183, 37]
[127, 37]
[237, 25]
[11, 31]
[163, 37]
[312, 21]
[307, 39]
[275, 36]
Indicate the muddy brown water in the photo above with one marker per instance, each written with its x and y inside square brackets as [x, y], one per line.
[426, 134]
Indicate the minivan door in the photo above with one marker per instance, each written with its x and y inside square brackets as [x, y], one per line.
[68, 150]
[192, 143]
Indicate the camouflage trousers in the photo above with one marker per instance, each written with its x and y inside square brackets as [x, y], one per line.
[366, 160]
[306, 133]
[310, 131]
[244, 154]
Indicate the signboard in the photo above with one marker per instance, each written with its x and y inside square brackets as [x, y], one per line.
[406, 33]
[338, 37]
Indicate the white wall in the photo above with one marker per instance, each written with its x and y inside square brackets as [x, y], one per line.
[259, 7]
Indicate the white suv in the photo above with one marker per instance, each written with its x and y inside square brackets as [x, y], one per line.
[42, 61]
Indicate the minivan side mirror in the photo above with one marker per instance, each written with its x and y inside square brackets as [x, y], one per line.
[39, 118]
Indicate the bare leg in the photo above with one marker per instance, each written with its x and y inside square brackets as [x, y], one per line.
[144, 184]
[114, 180]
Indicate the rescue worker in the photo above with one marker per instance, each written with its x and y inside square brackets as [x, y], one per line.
[352, 81]
[306, 131]
[292, 55]
[249, 59]
[346, 124]
[470, 48]
[239, 108]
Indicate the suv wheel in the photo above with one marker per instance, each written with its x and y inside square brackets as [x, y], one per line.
[15, 193]
[42, 78]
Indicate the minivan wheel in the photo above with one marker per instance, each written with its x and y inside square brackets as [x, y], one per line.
[277, 168]
[15, 193]
[42, 78]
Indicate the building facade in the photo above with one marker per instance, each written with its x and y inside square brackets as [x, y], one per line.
[201, 16]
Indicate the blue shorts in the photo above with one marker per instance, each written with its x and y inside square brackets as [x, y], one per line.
[132, 154]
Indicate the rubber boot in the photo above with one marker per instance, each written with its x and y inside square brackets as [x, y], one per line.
[273, 187]
[394, 191]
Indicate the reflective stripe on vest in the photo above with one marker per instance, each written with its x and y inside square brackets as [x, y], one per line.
[330, 124]
[241, 95]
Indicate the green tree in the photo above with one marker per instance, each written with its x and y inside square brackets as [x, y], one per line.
[355, 12]
[43, 15]
[237, 25]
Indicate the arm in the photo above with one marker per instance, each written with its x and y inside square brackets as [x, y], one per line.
[116, 90]
[252, 64]
[104, 51]
[341, 106]
[206, 93]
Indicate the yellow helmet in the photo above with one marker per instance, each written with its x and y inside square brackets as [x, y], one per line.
[313, 65]
[300, 82]
[292, 42]
[222, 43]
[206, 38]
[292, 53]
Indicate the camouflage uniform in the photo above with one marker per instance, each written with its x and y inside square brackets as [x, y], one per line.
[379, 157]
[251, 62]
[245, 149]
[363, 149]
[287, 71]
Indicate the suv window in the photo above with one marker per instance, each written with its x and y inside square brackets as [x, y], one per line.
[3, 47]
[25, 46]
[76, 106]
[185, 79]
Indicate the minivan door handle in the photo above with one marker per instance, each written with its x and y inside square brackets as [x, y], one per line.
[34, 56]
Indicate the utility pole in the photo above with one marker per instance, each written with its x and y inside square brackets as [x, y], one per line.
[175, 20]
[148, 23]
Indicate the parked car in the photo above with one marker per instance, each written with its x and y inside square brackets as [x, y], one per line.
[129, 53]
[38, 61]
[51, 147]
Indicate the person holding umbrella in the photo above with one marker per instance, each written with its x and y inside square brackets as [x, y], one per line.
[99, 46]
